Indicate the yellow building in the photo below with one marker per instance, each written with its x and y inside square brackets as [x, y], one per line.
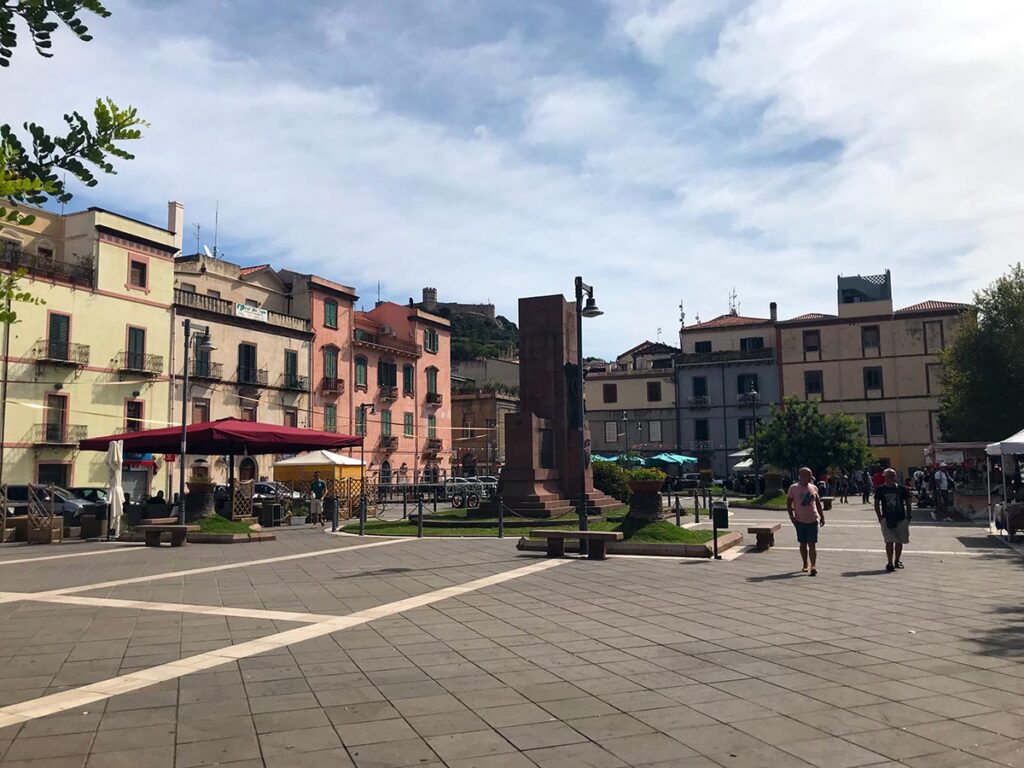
[873, 362]
[93, 359]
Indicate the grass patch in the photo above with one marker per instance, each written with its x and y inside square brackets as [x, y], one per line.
[218, 524]
[775, 501]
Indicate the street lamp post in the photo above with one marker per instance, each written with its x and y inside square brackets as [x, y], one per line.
[583, 310]
[754, 397]
[625, 432]
[362, 464]
[201, 334]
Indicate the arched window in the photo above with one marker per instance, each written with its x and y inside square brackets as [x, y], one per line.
[361, 372]
[408, 379]
[432, 380]
[385, 473]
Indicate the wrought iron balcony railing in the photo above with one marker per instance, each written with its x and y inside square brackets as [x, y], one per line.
[433, 445]
[387, 393]
[204, 369]
[79, 273]
[748, 400]
[434, 398]
[59, 352]
[251, 377]
[702, 445]
[332, 385]
[699, 401]
[58, 434]
[140, 363]
[386, 342]
[388, 442]
[294, 381]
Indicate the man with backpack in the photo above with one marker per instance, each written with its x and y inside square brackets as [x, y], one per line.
[892, 506]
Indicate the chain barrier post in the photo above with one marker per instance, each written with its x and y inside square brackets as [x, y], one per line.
[435, 498]
[362, 508]
[405, 503]
[679, 513]
[696, 508]
[501, 519]
[419, 519]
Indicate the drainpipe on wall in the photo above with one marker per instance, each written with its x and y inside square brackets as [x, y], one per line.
[169, 481]
[309, 373]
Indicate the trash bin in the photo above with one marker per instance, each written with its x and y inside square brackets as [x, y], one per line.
[331, 508]
[93, 527]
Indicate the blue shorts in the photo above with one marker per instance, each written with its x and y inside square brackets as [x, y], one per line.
[806, 533]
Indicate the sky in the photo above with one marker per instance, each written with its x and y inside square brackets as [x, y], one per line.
[666, 150]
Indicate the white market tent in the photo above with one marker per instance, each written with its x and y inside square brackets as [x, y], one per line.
[319, 459]
[1008, 447]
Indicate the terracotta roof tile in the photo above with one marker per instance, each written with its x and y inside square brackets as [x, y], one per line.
[727, 321]
[812, 316]
[246, 271]
[926, 306]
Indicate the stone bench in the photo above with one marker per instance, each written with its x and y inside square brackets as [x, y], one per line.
[160, 521]
[826, 503]
[596, 541]
[765, 535]
[154, 532]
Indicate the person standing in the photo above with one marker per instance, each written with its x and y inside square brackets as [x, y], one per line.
[865, 486]
[943, 485]
[317, 491]
[805, 511]
[892, 505]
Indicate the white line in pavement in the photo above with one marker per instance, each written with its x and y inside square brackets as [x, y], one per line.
[907, 549]
[120, 550]
[79, 697]
[733, 552]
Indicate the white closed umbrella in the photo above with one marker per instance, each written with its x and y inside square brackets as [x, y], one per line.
[114, 461]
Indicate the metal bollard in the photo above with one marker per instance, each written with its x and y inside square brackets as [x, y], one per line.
[696, 508]
[405, 503]
[419, 520]
[501, 519]
[679, 512]
[362, 515]
[334, 516]
[435, 498]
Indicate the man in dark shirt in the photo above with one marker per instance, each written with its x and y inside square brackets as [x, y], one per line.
[892, 506]
[317, 490]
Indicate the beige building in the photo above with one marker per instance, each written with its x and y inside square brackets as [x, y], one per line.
[631, 403]
[876, 363]
[92, 360]
[260, 368]
[478, 429]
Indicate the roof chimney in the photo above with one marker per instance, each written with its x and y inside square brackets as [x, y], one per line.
[176, 221]
[773, 310]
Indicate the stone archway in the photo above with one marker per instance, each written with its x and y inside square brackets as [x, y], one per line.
[247, 469]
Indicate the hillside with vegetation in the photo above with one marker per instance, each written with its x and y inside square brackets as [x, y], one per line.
[475, 336]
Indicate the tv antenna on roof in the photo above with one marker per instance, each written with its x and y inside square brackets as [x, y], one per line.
[734, 305]
[659, 335]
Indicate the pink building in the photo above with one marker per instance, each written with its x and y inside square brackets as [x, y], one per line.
[401, 368]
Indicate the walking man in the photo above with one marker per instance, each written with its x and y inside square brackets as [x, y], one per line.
[317, 490]
[804, 506]
[943, 485]
[892, 505]
[865, 486]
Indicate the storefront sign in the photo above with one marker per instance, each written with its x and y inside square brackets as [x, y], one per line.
[251, 313]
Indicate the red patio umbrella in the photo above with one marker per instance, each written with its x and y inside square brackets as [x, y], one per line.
[228, 437]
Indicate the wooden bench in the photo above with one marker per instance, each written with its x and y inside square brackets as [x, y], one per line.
[826, 503]
[160, 521]
[596, 541]
[765, 535]
[153, 533]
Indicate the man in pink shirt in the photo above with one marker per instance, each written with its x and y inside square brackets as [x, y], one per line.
[804, 506]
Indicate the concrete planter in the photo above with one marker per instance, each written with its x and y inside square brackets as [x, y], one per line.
[644, 500]
[297, 520]
[726, 541]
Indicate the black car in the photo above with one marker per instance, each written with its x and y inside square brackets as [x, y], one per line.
[92, 494]
[64, 502]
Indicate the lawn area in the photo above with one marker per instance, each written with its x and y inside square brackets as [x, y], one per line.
[658, 532]
[773, 501]
[218, 524]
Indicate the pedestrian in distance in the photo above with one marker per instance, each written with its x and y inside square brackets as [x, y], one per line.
[843, 487]
[865, 487]
[317, 491]
[806, 513]
[893, 508]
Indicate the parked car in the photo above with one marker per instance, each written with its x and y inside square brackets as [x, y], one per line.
[458, 489]
[687, 481]
[271, 490]
[92, 494]
[65, 503]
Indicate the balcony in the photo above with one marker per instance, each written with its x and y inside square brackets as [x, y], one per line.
[699, 401]
[434, 398]
[388, 443]
[61, 353]
[251, 377]
[140, 364]
[216, 306]
[204, 369]
[748, 400]
[78, 273]
[386, 343]
[725, 356]
[387, 393]
[702, 446]
[294, 382]
[332, 385]
[58, 434]
[433, 446]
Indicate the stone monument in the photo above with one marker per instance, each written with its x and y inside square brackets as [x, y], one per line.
[541, 476]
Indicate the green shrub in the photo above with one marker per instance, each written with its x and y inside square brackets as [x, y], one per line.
[646, 473]
[611, 479]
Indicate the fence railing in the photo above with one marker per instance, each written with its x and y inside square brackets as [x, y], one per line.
[387, 392]
[294, 381]
[332, 385]
[58, 434]
[204, 369]
[81, 272]
[140, 363]
[60, 352]
[385, 341]
[434, 398]
[253, 377]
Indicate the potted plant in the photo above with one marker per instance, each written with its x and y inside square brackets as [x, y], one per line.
[645, 480]
[199, 501]
[645, 485]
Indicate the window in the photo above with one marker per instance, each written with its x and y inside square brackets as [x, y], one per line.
[248, 413]
[291, 417]
[55, 474]
[432, 381]
[59, 337]
[385, 423]
[653, 391]
[870, 338]
[291, 368]
[331, 313]
[188, 287]
[387, 374]
[876, 425]
[360, 373]
[431, 426]
[361, 421]
[200, 410]
[746, 428]
[56, 418]
[814, 383]
[873, 377]
[933, 378]
[200, 361]
[610, 393]
[611, 432]
[467, 426]
[408, 425]
[252, 303]
[700, 386]
[408, 379]
[138, 274]
[700, 429]
[330, 418]
[751, 344]
[431, 341]
[812, 341]
[247, 363]
[654, 431]
[133, 416]
[213, 294]
[136, 349]
[45, 253]
[702, 347]
[746, 382]
[934, 339]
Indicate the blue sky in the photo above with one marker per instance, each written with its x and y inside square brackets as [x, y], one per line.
[666, 150]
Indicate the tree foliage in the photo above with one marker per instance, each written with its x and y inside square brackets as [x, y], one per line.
[612, 479]
[475, 336]
[43, 18]
[798, 434]
[983, 369]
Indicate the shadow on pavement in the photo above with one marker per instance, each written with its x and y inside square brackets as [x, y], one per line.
[778, 576]
[872, 572]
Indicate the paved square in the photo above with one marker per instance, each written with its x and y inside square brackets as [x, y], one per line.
[337, 651]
